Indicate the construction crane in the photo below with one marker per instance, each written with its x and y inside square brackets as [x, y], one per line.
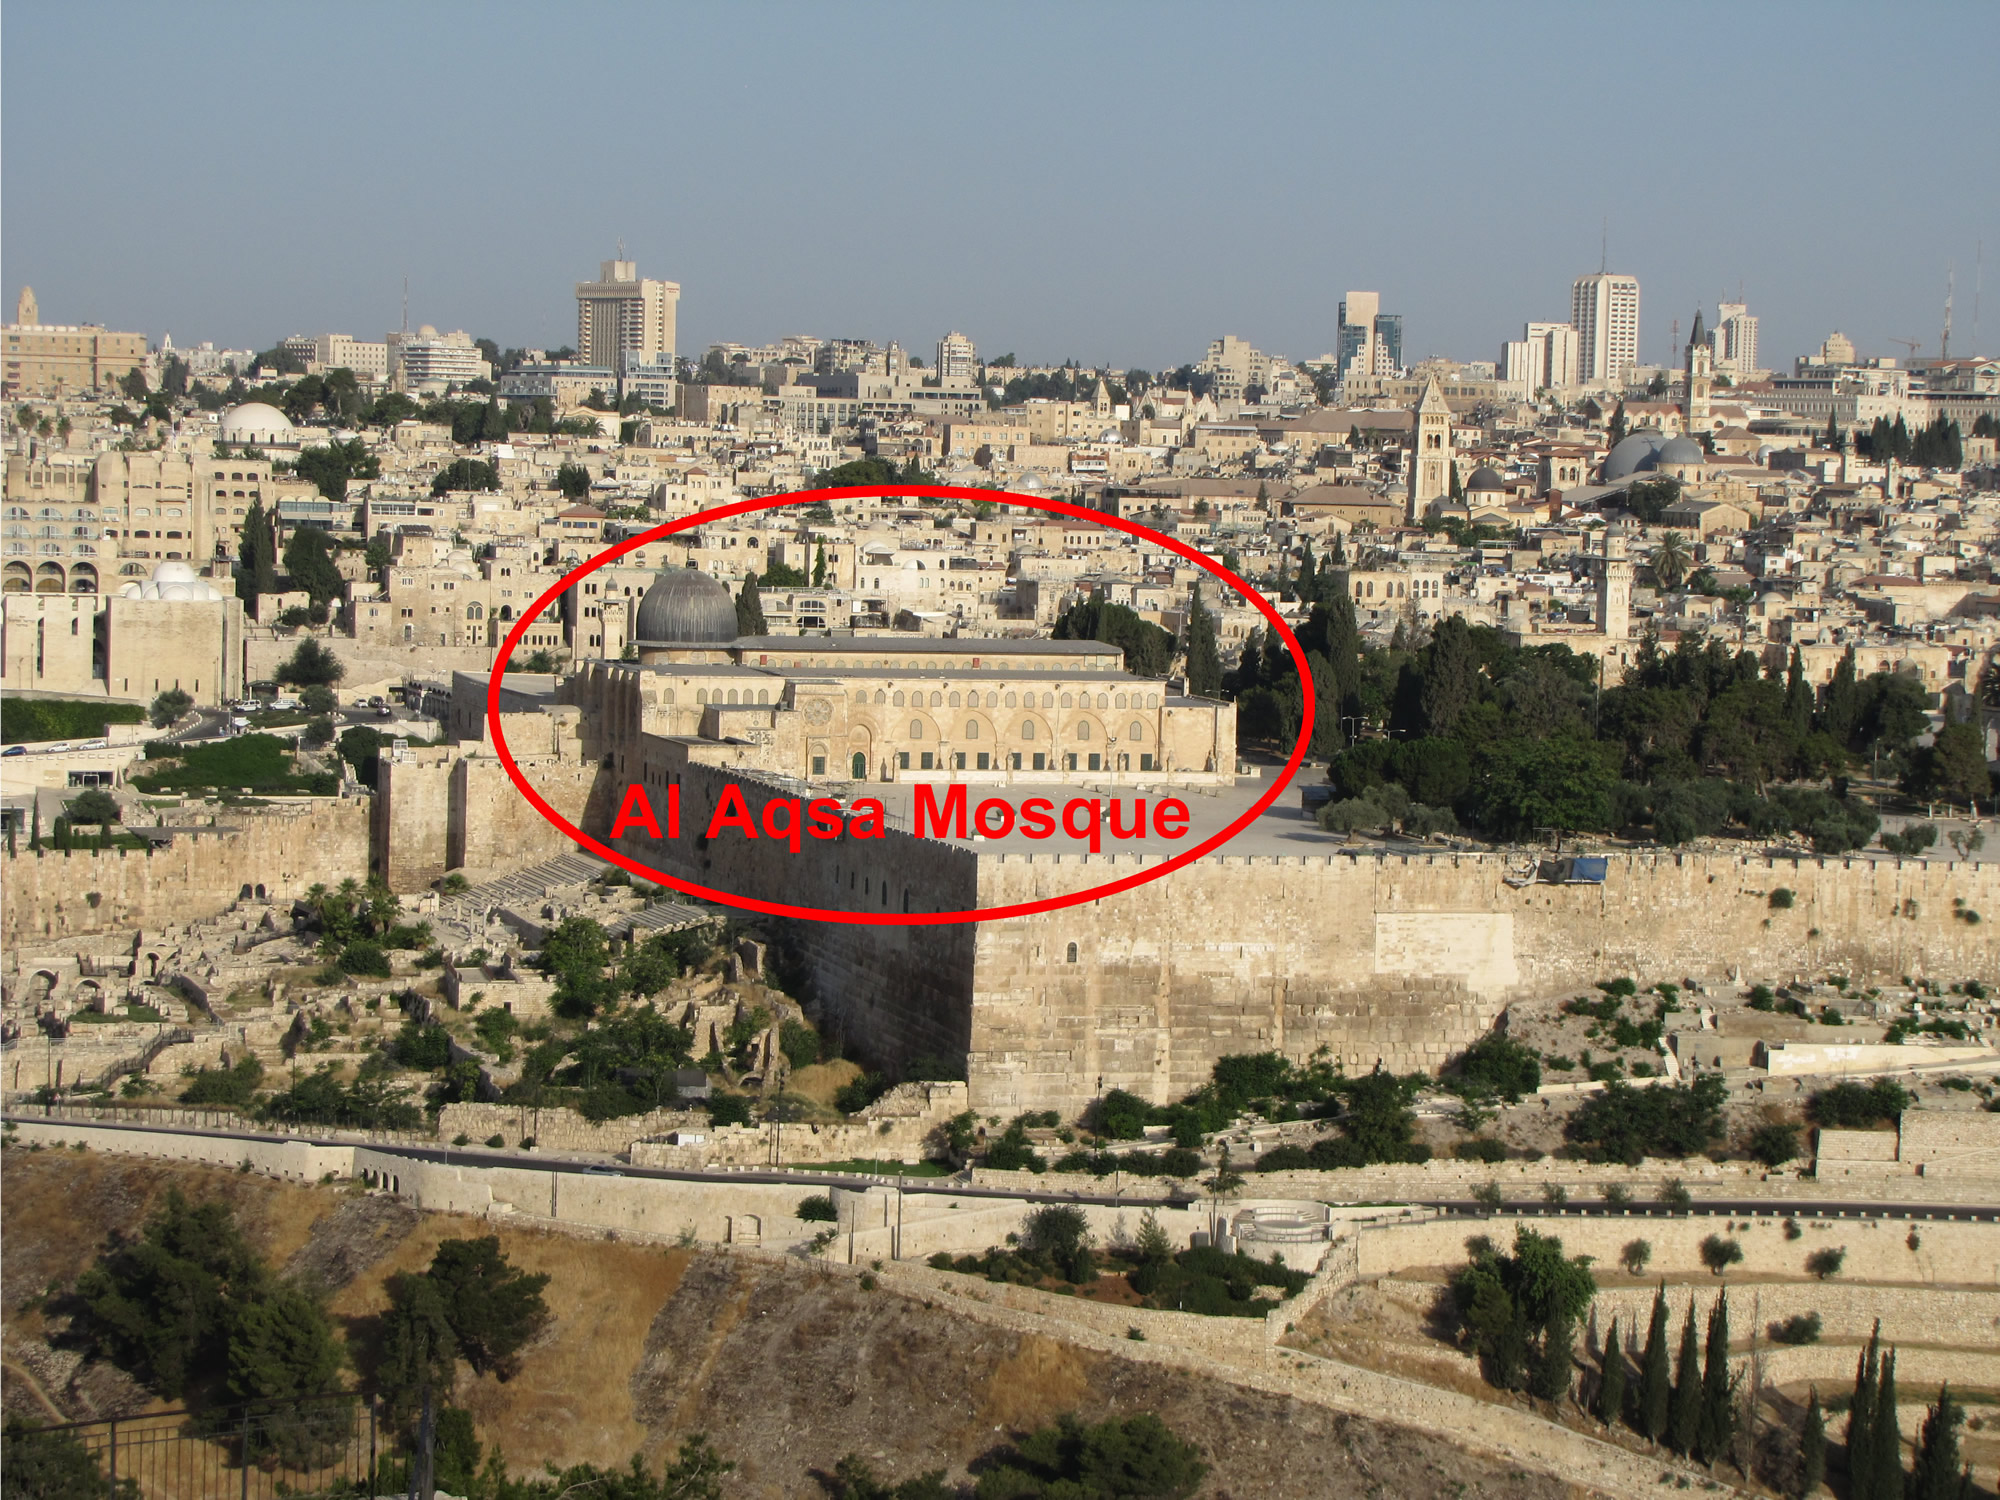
[1913, 345]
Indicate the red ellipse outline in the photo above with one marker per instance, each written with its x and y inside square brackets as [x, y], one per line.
[900, 919]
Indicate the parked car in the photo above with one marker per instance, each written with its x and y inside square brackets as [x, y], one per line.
[284, 705]
[15, 750]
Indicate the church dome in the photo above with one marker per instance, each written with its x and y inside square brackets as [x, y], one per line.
[685, 606]
[255, 422]
[1680, 450]
[1633, 454]
[1486, 477]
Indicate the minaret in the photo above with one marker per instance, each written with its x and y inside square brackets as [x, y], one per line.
[1430, 453]
[1614, 589]
[1700, 376]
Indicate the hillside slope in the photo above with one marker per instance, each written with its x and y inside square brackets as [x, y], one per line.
[785, 1367]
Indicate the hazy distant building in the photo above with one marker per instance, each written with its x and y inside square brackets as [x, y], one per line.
[1735, 341]
[1700, 378]
[957, 358]
[339, 351]
[1371, 341]
[623, 320]
[49, 359]
[430, 361]
[1604, 310]
[1542, 358]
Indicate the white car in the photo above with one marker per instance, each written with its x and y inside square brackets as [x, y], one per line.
[284, 705]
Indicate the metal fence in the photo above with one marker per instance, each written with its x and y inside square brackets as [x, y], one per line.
[327, 1445]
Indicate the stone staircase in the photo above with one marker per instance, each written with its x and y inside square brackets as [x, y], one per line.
[461, 921]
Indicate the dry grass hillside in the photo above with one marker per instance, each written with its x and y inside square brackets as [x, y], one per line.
[786, 1367]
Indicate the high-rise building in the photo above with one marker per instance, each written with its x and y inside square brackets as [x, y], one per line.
[1371, 341]
[430, 361]
[957, 358]
[1543, 357]
[1604, 310]
[623, 320]
[1735, 340]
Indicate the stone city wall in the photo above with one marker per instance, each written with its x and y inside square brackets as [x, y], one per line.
[275, 851]
[1948, 1253]
[562, 1130]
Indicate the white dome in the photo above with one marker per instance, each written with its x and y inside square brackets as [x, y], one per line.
[173, 581]
[256, 422]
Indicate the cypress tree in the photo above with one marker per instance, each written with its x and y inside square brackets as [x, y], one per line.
[1812, 1447]
[1861, 1420]
[1308, 584]
[1611, 1388]
[1718, 1404]
[1938, 1472]
[1655, 1387]
[1834, 441]
[1885, 1446]
[750, 608]
[1615, 429]
[1204, 667]
[1555, 1362]
[35, 829]
[1684, 1423]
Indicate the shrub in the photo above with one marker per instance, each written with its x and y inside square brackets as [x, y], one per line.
[1800, 1328]
[1480, 1148]
[1719, 1254]
[364, 958]
[1825, 1263]
[233, 1086]
[1060, 1234]
[1636, 1256]
[1856, 1106]
[799, 1042]
[818, 1209]
[1781, 899]
[1774, 1145]
[1501, 1066]
[1624, 1124]
[728, 1109]
[1761, 997]
[1120, 1115]
[1136, 1456]
[1674, 1195]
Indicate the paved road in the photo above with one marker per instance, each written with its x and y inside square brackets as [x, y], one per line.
[958, 1187]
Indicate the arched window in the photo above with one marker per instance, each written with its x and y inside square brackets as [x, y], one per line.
[1065, 700]
[1137, 731]
[473, 612]
[916, 729]
[732, 695]
[898, 699]
[972, 729]
[859, 767]
[953, 700]
[861, 695]
[937, 700]
[1072, 952]
[701, 695]
[1083, 730]
[882, 697]
[1027, 729]
[763, 695]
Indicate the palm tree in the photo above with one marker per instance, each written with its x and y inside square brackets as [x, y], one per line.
[1670, 560]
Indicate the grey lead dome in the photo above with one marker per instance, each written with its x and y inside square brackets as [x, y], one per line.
[685, 605]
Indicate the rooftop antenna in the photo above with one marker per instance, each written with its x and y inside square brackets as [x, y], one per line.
[1950, 286]
[1674, 343]
[406, 304]
[621, 247]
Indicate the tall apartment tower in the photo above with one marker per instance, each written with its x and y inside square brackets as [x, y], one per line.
[1371, 341]
[621, 320]
[957, 358]
[1430, 453]
[1604, 310]
[1735, 340]
[1614, 589]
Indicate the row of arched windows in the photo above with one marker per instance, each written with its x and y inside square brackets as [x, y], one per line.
[915, 699]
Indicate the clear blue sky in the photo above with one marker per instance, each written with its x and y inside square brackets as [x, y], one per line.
[1106, 181]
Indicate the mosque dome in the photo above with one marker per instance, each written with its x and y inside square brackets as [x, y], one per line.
[1633, 454]
[174, 581]
[687, 607]
[1680, 450]
[1486, 477]
[255, 422]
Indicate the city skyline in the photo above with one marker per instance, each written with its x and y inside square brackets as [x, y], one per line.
[1035, 226]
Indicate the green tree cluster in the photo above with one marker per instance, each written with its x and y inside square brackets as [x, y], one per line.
[1149, 650]
[188, 1308]
[1519, 1310]
[470, 1304]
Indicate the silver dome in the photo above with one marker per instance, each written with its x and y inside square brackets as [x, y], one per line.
[1681, 450]
[685, 606]
[1633, 454]
[1486, 477]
